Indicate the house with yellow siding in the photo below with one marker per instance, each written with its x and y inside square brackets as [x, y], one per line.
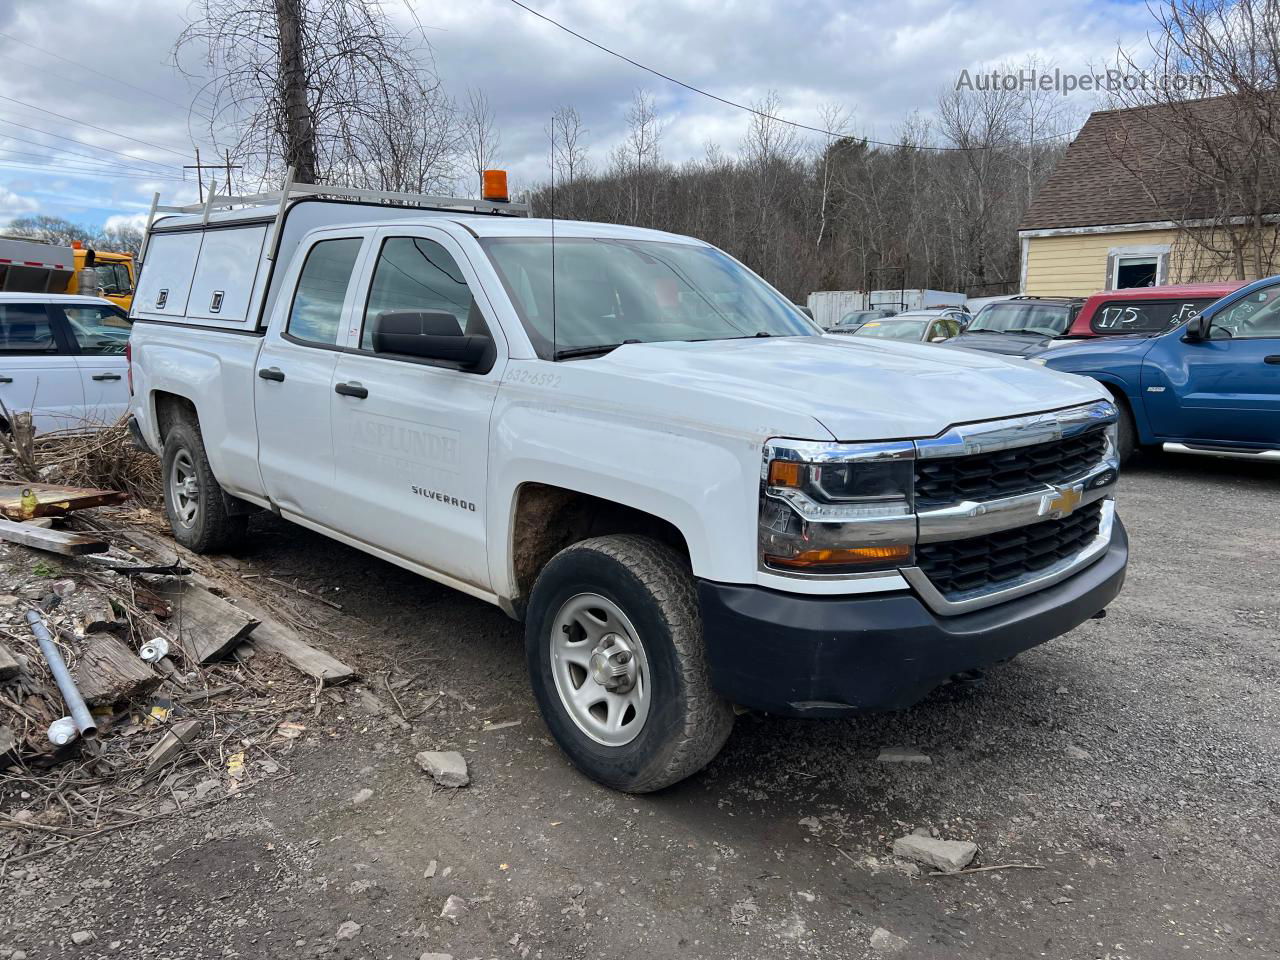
[1109, 217]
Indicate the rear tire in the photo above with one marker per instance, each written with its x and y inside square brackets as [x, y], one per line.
[613, 639]
[193, 498]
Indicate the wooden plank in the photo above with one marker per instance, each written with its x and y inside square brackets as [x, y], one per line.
[169, 747]
[208, 627]
[9, 666]
[53, 500]
[273, 637]
[54, 541]
[99, 615]
[110, 671]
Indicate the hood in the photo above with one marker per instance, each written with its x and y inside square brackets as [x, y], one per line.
[855, 387]
[1009, 344]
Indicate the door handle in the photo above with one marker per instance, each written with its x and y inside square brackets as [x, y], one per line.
[4, 379]
[106, 376]
[272, 373]
[1274, 358]
[352, 389]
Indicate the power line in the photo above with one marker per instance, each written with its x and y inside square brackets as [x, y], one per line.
[71, 159]
[742, 106]
[50, 168]
[85, 143]
[52, 151]
[76, 63]
[114, 133]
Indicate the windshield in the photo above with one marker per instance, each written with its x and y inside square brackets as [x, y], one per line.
[1023, 316]
[609, 292]
[894, 329]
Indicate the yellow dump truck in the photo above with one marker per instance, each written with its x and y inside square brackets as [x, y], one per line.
[37, 266]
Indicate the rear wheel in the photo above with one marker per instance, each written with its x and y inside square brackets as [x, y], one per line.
[614, 645]
[193, 498]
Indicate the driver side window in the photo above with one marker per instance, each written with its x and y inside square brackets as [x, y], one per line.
[416, 274]
[1257, 315]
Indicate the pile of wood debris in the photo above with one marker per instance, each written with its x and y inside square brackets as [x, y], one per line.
[196, 687]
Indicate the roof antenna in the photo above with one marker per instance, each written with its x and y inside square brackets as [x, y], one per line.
[553, 237]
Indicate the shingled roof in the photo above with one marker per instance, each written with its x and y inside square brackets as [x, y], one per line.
[1129, 166]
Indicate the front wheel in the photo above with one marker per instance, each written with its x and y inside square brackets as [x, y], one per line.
[614, 645]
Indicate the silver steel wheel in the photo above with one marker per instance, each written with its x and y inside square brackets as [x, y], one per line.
[184, 487]
[600, 669]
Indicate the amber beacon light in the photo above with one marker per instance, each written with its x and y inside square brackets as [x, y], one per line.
[494, 186]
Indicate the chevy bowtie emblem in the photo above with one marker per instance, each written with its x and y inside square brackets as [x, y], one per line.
[1061, 502]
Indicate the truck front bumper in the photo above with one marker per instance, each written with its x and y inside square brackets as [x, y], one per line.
[815, 656]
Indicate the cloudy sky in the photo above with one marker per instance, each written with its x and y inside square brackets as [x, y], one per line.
[94, 117]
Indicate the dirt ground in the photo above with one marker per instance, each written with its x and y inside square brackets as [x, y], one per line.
[1134, 761]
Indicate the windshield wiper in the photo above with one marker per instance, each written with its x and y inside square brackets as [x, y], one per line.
[595, 350]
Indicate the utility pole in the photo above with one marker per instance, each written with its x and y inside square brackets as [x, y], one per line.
[300, 135]
[199, 168]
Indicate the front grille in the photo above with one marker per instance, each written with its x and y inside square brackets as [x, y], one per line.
[1004, 473]
[959, 566]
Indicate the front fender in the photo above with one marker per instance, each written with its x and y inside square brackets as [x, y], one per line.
[704, 484]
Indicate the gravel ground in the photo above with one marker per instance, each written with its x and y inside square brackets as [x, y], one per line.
[1134, 761]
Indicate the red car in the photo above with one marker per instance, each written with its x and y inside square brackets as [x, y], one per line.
[1145, 310]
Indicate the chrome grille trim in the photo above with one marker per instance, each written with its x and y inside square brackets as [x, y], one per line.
[971, 438]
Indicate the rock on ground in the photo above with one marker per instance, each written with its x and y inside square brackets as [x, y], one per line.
[361, 796]
[886, 944]
[436, 956]
[447, 768]
[454, 908]
[347, 930]
[81, 937]
[947, 855]
[903, 755]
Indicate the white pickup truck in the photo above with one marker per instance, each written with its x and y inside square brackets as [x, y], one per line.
[692, 497]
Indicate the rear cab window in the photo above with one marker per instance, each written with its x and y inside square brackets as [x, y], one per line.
[1114, 317]
[315, 316]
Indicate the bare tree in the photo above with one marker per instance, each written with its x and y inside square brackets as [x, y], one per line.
[480, 135]
[1212, 166]
[329, 87]
[640, 153]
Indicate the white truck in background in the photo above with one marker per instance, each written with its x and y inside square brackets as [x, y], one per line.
[914, 299]
[829, 307]
[691, 497]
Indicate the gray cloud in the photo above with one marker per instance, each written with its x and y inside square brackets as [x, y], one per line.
[880, 60]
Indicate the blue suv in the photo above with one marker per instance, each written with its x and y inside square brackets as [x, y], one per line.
[1210, 385]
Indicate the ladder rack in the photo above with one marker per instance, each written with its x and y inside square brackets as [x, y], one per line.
[291, 190]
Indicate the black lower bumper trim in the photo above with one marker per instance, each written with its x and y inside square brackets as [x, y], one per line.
[807, 655]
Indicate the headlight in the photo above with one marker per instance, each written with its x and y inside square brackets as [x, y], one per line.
[836, 508]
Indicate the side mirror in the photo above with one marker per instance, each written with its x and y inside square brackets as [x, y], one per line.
[432, 335]
[1197, 329]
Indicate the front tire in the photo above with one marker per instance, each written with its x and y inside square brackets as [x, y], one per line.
[193, 498]
[1126, 433]
[614, 645]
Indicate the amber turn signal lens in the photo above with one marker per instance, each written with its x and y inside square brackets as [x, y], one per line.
[784, 473]
[843, 556]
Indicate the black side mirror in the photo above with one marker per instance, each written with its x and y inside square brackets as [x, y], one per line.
[432, 335]
[1197, 329]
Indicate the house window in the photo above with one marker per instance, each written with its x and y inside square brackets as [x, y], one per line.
[1137, 266]
[1136, 272]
